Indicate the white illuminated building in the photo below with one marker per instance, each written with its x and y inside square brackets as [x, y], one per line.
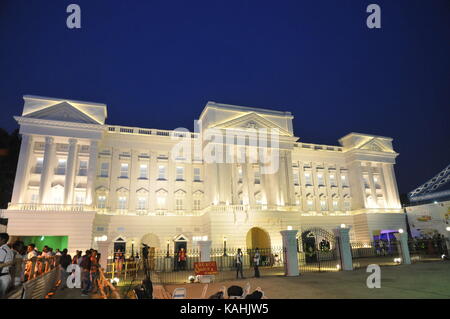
[84, 179]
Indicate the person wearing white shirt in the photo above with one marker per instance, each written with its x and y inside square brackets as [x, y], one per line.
[256, 261]
[6, 259]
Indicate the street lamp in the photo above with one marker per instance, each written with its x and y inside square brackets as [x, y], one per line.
[224, 246]
[400, 231]
[132, 249]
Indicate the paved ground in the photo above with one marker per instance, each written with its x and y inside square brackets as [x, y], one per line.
[421, 280]
[69, 294]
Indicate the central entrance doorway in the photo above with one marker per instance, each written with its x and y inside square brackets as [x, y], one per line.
[180, 243]
[258, 238]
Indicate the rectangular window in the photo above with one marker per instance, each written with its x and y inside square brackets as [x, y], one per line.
[122, 203]
[296, 179]
[196, 204]
[104, 169]
[323, 204]
[79, 198]
[180, 173]
[161, 202]
[179, 204]
[308, 179]
[197, 177]
[335, 205]
[34, 198]
[366, 181]
[332, 180]
[143, 171]
[142, 203]
[161, 172]
[344, 181]
[82, 170]
[257, 176]
[39, 165]
[320, 179]
[347, 205]
[310, 204]
[124, 170]
[240, 174]
[376, 181]
[101, 202]
[61, 169]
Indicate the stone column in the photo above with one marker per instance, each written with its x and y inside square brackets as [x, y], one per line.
[92, 173]
[402, 238]
[134, 172]
[205, 250]
[23, 170]
[290, 252]
[391, 186]
[70, 171]
[372, 184]
[290, 180]
[343, 241]
[47, 170]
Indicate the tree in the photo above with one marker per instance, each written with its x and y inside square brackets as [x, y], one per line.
[9, 154]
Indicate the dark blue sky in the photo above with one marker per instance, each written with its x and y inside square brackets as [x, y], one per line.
[156, 64]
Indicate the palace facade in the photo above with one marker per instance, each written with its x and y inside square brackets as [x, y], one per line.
[82, 182]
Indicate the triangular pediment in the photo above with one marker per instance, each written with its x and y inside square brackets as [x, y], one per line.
[63, 111]
[180, 192]
[375, 146]
[180, 237]
[102, 189]
[142, 190]
[251, 121]
[161, 191]
[198, 193]
[122, 190]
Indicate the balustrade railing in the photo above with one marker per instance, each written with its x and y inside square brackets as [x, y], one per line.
[49, 207]
[146, 132]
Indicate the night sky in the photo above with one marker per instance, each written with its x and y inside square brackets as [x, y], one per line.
[156, 64]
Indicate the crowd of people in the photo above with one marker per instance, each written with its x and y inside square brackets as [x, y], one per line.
[20, 263]
[429, 244]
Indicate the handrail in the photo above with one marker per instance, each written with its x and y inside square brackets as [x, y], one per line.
[40, 275]
[104, 283]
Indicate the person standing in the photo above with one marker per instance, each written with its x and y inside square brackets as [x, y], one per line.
[182, 259]
[86, 273]
[19, 251]
[239, 264]
[94, 270]
[65, 260]
[6, 259]
[256, 261]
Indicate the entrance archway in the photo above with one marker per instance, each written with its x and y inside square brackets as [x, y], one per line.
[317, 241]
[258, 238]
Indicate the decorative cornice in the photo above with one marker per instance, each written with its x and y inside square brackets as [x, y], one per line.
[27, 120]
